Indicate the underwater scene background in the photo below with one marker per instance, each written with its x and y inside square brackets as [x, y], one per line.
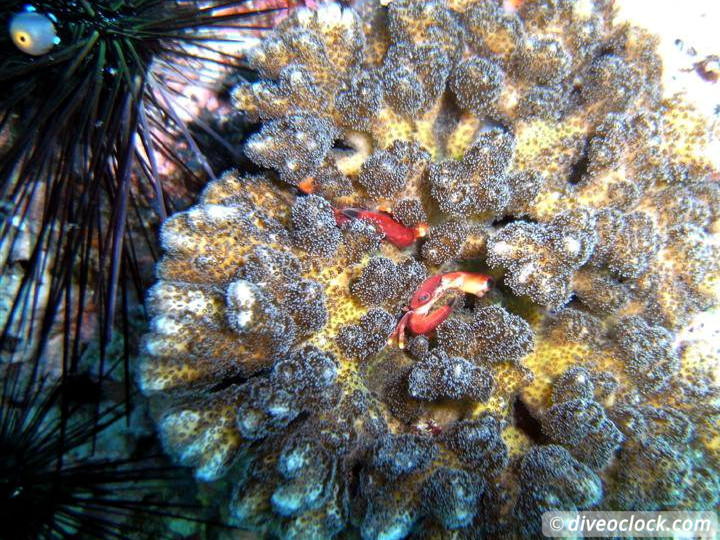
[378, 269]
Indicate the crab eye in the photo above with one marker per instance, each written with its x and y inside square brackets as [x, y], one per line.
[33, 33]
[424, 297]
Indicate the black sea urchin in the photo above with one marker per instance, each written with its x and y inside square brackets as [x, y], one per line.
[52, 482]
[85, 110]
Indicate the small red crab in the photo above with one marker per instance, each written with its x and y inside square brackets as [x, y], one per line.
[419, 318]
[395, 232]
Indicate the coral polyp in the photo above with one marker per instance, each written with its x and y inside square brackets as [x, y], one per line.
[535, 146]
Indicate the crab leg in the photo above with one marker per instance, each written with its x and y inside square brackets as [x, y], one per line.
[398, 335]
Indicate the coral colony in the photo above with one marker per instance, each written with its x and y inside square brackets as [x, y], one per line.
[327, 339]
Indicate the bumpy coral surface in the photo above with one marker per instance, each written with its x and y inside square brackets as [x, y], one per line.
[534, 146]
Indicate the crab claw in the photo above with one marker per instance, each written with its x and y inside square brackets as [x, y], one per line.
[434, 287]
[420, 324]
[420, 319]
[468, 282]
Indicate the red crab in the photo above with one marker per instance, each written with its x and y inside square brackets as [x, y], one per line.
[419, 318]
[395, 232]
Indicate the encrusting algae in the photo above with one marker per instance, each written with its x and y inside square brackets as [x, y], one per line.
[535, 148]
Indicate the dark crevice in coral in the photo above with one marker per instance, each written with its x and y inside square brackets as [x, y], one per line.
[249, 168]
[251, 128]
[448, 118]
[605, 50]
[526, 422]
[341, 145]
[580, 167]
[299, 420]
[491, 123]
[242, 74]
[247, 74]
[575, 303]
[353, 480]
[505, 220]
[227, 383]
